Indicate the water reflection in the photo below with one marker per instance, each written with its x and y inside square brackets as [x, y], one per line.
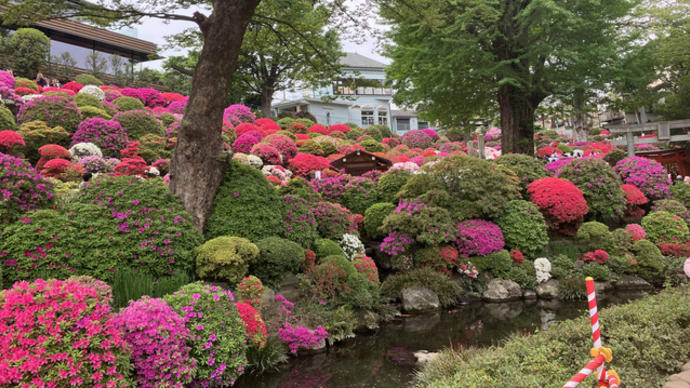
[386, 358]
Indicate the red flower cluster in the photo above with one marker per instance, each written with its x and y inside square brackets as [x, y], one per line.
[267, 125]
[633, 195]
[560, 201]
[303, 164]
[73, 86]
[318, 128]
[10, 139]
[517, 256]
[366, 265]
[24, 91]
[600, 256]
[53, 168]
[548, 151]
[253, 324]
[250, 290]
[675, 249]
[339, 127]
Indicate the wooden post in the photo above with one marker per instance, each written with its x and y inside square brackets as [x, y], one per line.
[630, 139]
[481, 145]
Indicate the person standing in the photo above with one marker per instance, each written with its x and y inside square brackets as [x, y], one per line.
[41, 80]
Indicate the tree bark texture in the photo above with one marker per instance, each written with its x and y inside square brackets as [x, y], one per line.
[198, 163]
[580, 130]
[517, 121]
[266, 100]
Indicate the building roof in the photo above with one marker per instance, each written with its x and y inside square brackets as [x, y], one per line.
[309, 100]
[403, 113]
[357, 61]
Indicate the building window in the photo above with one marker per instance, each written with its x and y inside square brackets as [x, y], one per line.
[423, 124]
[403, 125]
[367, 117]
[383, 118]
[361, 87]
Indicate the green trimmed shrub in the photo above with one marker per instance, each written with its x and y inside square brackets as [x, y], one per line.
[328, 148]
[356, 291]
[656, 323]
[139, 123]
[285, 122]
[299, 224]
[672, 206]
[680, 191]
[562, 266]
[21, 82]
[84, 99]
[36, 134]
[663, 226]
[570, 287]
[448, 291]
[371, 145]
[53, 110]
[614, 156]
[277, 258]
[650, 261]
[599, 272]
[353, 134]
[391, 182]
[127, 193]
[325, 247]
[288, 134]
[523, 227]
[480, 187]
[373, 219]
[30, 49]
[225, 258]
[129, 103]
[595, 235]
[167, 119]
[600, 185]
[89, 112]
[88, 79]
[246, 205]
[211, 313]
[311, 147]
[523, 274]
[497, 263]
[430, 225]
[527, 168]
[300, 188]
[359, 193]
[620, 243]
[7, 120]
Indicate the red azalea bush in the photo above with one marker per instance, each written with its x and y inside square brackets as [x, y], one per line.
[243, 128]
[674, 249]
[59, 333]
[304, 164]
[267, 124]
[636, 232]
[172, 97]
[342, 128]
[287, 147]
[131, 166]
[53, 168]
[52, 151]
[517, 256]
[600, 256]
[318, 128]
[23, 91]
[562, 203]
[73, 86]
[253, 324]
[633, 195]
[366, 265]
[10, 141]
[156, 336]
[267, 153]
[548, 151]
[251, 289]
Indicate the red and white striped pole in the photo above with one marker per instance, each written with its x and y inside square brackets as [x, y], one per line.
[586, 371]
[594, 319]
[613, 378]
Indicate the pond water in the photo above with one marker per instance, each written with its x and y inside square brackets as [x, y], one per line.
[386, 359]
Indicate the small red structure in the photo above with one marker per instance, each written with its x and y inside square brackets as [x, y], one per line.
[359, 162]
[676, 161]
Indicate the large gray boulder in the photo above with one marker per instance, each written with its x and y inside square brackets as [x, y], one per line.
[502, 290]
[548, 290]
[416, 299]
[628, 282]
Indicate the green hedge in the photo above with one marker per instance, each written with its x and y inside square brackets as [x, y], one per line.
[650, 339]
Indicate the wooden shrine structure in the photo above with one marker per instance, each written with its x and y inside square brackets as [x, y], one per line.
[359, 162]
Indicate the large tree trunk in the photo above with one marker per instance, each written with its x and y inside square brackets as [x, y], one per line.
[198, 164]
[266, 100]
[580, 130]
[517, 120]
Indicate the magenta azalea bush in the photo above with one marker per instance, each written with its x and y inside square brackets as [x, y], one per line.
[268, 153]
[333, 220]
[555, 167]
[396, 243]
[417, 139]
[22, 188]
[219, 341]
[59, 334]
[300, 337]
[646, 174]
[238, 114]
[244, 143]
[108, 135]
[478, 238]
[157, 338]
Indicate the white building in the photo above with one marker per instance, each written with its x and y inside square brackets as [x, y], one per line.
[360, 96]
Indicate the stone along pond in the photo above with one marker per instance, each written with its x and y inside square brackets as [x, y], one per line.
[389, 357]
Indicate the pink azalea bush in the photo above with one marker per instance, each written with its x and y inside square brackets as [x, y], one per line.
[267, 153]
[108, 135]
[57, 334]
[22, 188]
[244, 143]
[478, 238]
[157, 338]
[647, 175]
[636, 232]
[416, 139]
[237, 114]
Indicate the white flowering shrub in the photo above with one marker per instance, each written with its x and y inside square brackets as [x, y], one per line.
[542, 266]
[30, 97]
[255, 161]
[93, 90]
[409, 166]
[279, 172]
[352, 245]
[152, 171]
[81, 150]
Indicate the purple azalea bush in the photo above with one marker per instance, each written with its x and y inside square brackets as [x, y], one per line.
[108, 135]
[647, 175]
[22, 188]
[478, 238]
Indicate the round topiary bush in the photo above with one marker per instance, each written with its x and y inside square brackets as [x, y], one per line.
[373, 218]
[650, 262]
[477, 187]
[662, 226]
[600, 186]
[108, 135]
[417, 139]
[138, 123]
[299, 223]
[36, 134]
[85, 99]
[371, 145]
[561, 202]
[478, 237]
[286, 146]
[527, 168]
[246, 205]
[391, 182]
[7, 120]
[598, 272]
[672, 206]
[88, 79]
[646, 174]
[325, 247]
[614, 156]
[128, 103]
[53, 110]
[523, 227]
[91, 112]
[680, 191]
[61, 334]
[225, 258]
[156, 336]
[218, 344]
[277, 258]
[358, 194]
[23, 188]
